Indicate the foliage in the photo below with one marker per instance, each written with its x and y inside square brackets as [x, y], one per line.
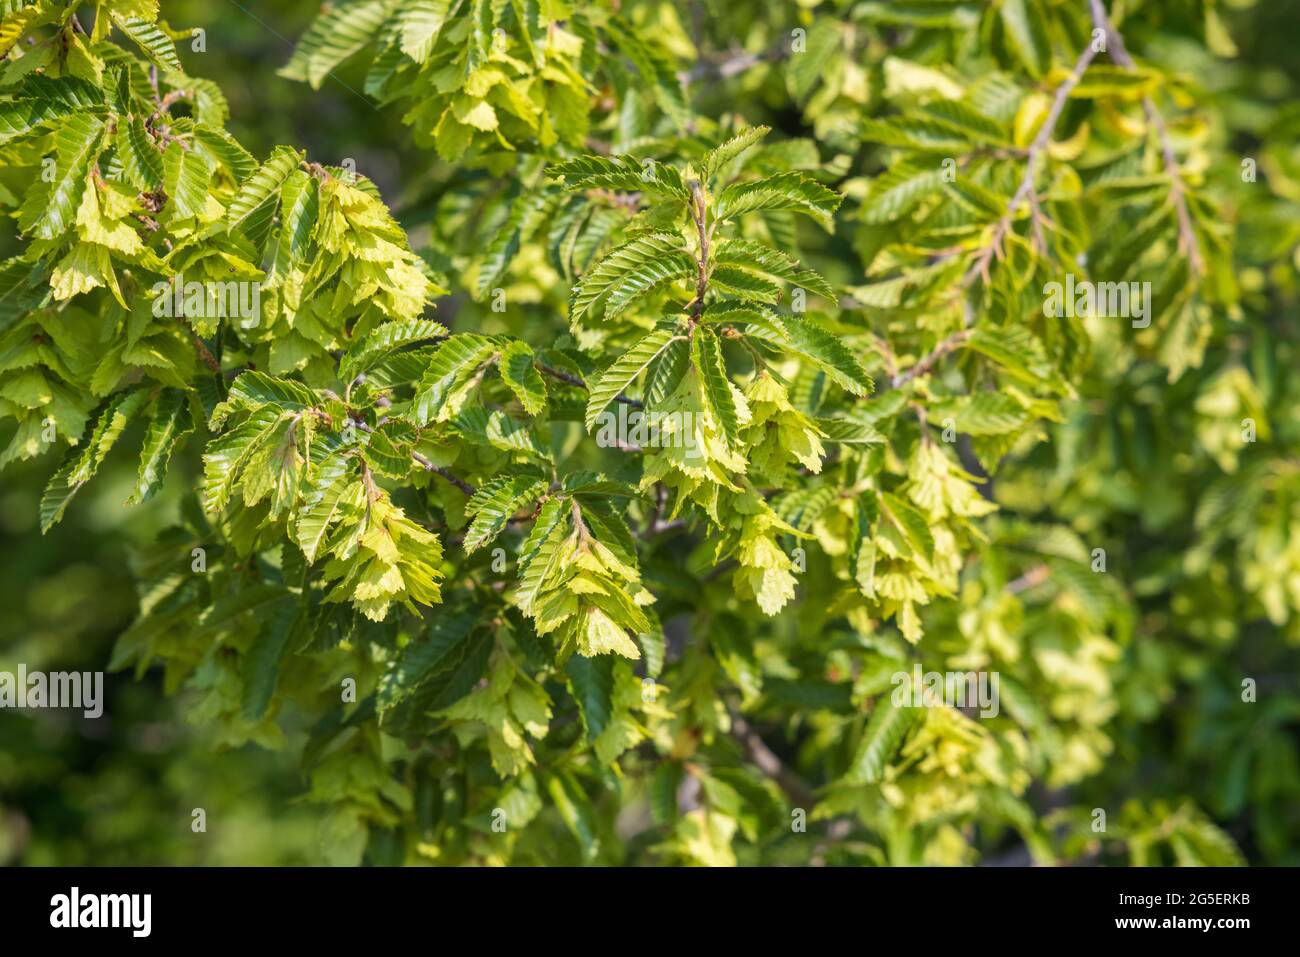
[717, 390]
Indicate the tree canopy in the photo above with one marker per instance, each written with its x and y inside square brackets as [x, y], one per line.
[582, 495]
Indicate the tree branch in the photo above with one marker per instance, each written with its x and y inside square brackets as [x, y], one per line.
[1024, 194]
[766, 760]
[734, 65]
[1187, 243]
[439, 470]
[933, 356]
[201, 348]
[1036, 148]
[1030, 579]
[581, 383]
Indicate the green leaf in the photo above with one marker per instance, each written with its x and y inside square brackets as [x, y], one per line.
[82, 464]
[500, 431]
[910, 522]
[1101, 80]
[39, 101]
[706, 356]
[51, 209]
[804, 506]
[784, 191]
[663, 793]
[519, 373]
[20, 17]
[990, 413]
[539, 555]
[253, 390]
[666, 371]
[299, 211]
[526, 214]
[534, 30]
[736, 312]
[625, 370]
[225, 150]
[591, 681]
[862, 559]
[341, 31]
[261, 663]
[466, 670]
[580, 484]
[384, 340]
[898, 191]
[435, 665]
[187, 179]
[254, 204]
[1019, 354]
[721, 156]
[228, 455]
[824, 42]
[881, 740]
[18, 280]
[848, 432]
[762, 258]
[656, 70]
[389, 447]
[420, 22]
[574, 808]
[981, 201]
[495, 502]
[630, 271]
[170, 423]
[829, 353]
[480, 38]
[918, 135]
[748, 286]
[622, 173]
[439, 396]
[334, 490]
[142, 163]
[230, 606]
[151, 40]
[968, 120]
[914, 14]
[1026, 34]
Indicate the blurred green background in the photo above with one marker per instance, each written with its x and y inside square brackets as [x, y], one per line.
[121, 790]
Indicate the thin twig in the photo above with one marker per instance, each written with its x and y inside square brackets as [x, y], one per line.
[166, 103]
[934, 355]
[629, 201]
[701, 214]
[439, 470]
[658, 527]
[201, 348]
[735, 64]
[1030, 579]
[766, 760]
[1036, 149]
[582, 384]
[1024, 193]
[1187, 244]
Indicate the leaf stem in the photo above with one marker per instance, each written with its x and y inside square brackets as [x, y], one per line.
[701, 215]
